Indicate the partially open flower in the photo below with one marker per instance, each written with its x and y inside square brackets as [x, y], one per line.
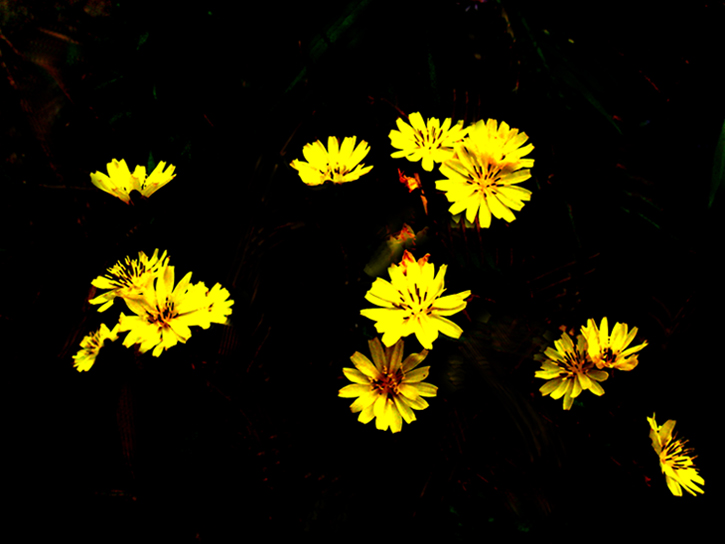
[91, 345]
[611, 351]
[338, 163]
[676, 460]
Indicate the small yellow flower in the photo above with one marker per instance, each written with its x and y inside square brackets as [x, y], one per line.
[611, 351]
[129, 279]
[412, 303]
[387, 390]
[569, 371]
[676, 460]
[338, 164]
[481, 186]
[91, 345]
[120, 182]
[429, 141]
[164, 313]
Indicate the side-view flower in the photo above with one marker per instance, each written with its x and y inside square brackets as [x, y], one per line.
[428, 142]
[120, 181]
[91, 345]
[388, 390]
[338, 163]
[569, 370]
[412, 303]
[611, 351]
[676, 460]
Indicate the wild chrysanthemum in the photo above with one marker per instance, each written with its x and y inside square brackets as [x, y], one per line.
[164, 313]
[91, 345]
[611, 351]
[411, 303]
[429, 142]
[338, 164]
[387, 390]
[120, 181]
[676, 460]
[569, 370]
[500, 144]
[129, 279]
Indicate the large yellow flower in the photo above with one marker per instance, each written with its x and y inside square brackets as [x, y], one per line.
[611, 351]
[676, 460]
[120, 181]
[129, 279]
[411, 303]
[569, 371]
[338, 164]
[164, 313]
[91, 345]
[429, 141]
[387, 390]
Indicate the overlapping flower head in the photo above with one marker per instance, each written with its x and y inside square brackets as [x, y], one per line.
[120, 181]
[91, 345]
[676, 461]
[390, 389]
[611, 351]
[411, 302]
[482, 177]
[338, 163]
[428, 142]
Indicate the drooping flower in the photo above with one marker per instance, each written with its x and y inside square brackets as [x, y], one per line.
[91, 345]
[611, 351]
[164, 313]
[338, 164]
[676, 460]
[120, 181]
[129, 279]
[569, 370]
[411, 303]
[387, 390]
[426, 141]
[482, 186]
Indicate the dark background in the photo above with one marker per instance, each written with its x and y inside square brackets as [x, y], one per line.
[241, 430]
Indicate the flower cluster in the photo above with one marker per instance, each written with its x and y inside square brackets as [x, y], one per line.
[411, 302]
[338, 163]
[676, 461]
[120, 181]
[390, 389]
[571, 369]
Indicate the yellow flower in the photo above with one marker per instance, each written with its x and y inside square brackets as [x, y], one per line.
[120, 182]
[500, 145]
[481, 186]
[387, 390]
[569, 371]
[611, 351]
[338, 164]
[164, 313]
[91, 345]
[676, 461]
[429, 141]
[412, 303]
[129, 279]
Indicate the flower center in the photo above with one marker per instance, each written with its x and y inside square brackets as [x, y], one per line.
[163, 316]
[389, 382]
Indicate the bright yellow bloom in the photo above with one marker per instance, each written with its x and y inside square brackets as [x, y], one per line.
[120, 182]
[429, 141]
[500, 145]
[569, 370]
[412, 303]
[611, 351]
[164, 313]
[129, 279]
[387, 390]
[338, 164]
[676, 461]
[91, 345]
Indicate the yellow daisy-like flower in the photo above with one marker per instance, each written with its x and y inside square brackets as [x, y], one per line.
[387, 390]
[481, 186]
[569, 371]
[428, 141]
[164, 313]
[338, 163]
[611, 351]
[91, 345]
[129, 280]
[676, 460]
[412, 303]
[120, 181]
[500, 144]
